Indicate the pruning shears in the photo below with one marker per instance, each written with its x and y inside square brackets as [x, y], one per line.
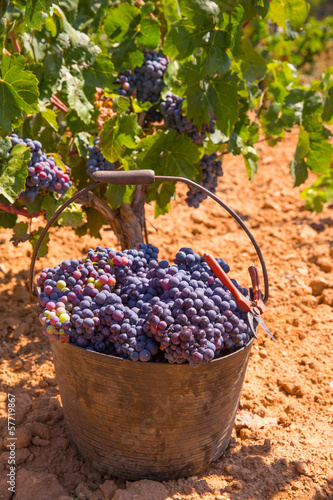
[254, 307]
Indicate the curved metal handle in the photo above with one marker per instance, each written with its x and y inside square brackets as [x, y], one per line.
[122, 177]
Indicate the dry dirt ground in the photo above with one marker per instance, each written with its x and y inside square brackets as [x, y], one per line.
[282, 443]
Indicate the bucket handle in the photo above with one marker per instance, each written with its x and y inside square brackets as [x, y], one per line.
[142, 177]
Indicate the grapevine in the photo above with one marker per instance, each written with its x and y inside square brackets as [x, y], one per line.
[154, 93]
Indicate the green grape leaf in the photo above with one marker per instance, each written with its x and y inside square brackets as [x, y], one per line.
[18, 91]
[199, 11]
[14, 173]
[169, 153]
[5, 146]
[183, 39]
[120, 104]
[82, 141]
[7, 221]
[100, 74]
[196, 94]
[216, 58]
[50, 117]
[320, 155]
[116, 195]
[95, 221]
[77, 98]
[163, 193]
[43, 250]
[302, 145]
[72, 216]
[20, 233]
[171, 11]
[299, 171]
[328, 107]
[223, 99]
[50, 205]
[296, 11]
[4, 30]
[3, 7]
[119, 133]
[251, 158]
[253, 64]
[34, 13]
[121, 22]
[148, 33]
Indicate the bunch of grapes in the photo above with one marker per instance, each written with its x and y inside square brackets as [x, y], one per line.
[96, 160]
[130, 305]
[147, 79]
[104, 105]
[211, 171]
[174, 118]
[42, 172]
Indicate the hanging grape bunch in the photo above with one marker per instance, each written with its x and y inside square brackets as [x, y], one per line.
[42, 172]
[129, 304]
[211, 171]
[174, 118]
[96, 160]
[147, 79]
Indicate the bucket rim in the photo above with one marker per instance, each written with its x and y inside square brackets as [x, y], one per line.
[121, 360]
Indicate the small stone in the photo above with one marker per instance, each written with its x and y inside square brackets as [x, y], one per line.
[21, 456]
[83, 492]
[327, 297]
[16, 364]
[37, 486]
[269, 398]
[23, 438]
[325, 263]
[228, 468]
[291, 387]
[72, 479]
[300, 467]
[271, 204]
[51, 381]
[108, 489]
[37, 441]
[245, 434]
[318, 285]
[43, 384]
[188, 490]
[3, 269]
[307, 235]
[263, 353]
[38, 429]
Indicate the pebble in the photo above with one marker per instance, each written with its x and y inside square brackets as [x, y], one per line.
[325, 263]
[38, 429]
[291, 387]
[37, 486]
[263, 353]
[318, 285]
[43, 384]
[300, 467]
[83, 492]
[108, 489]
[16, 364]
[188, 490]
[3, 269]
[22, 329]
[327, 297]
[271, 204]
[37, 441]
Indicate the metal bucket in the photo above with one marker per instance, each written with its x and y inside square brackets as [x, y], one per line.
[148, 420]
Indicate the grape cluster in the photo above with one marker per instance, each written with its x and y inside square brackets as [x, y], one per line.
[147, 79]
[211, 171]
[42, 172]
[96, 160]
[174, 118]
[130, 305]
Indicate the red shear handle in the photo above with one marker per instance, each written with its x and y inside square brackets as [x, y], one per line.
[243, 303]
[257, 295]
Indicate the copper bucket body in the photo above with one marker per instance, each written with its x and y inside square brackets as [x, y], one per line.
[149, 420]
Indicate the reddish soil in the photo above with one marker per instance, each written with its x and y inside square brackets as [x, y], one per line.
[282, 441]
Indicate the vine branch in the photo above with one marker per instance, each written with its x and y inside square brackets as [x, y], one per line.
[11, 209]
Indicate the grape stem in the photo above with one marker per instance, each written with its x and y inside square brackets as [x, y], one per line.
[15, 42]
[59, 104]
[10, 209]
